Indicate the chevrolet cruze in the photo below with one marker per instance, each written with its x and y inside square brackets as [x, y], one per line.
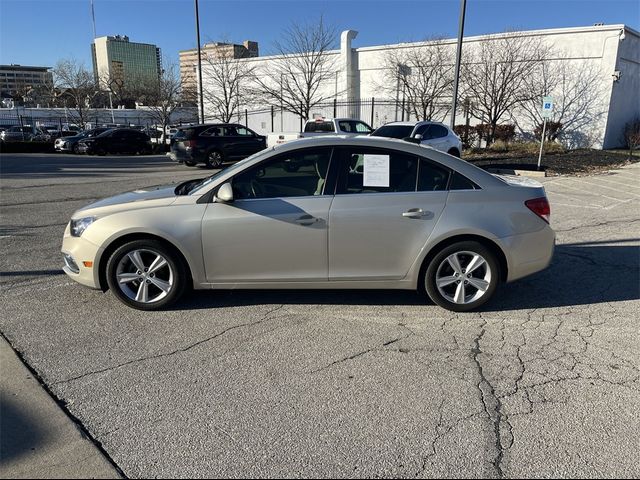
[331, 212]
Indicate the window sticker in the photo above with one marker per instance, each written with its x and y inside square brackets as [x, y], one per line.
[376, 170]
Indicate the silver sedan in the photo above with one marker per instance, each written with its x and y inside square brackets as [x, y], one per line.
[333, 212]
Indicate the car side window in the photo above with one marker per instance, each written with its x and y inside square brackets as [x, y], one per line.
[213, 132]
[402, 169]
[438, 131]
[422, 130]
[460, 182]
[243, 132]
[432, 177]
[299, 173]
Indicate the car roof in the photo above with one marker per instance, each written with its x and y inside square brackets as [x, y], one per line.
[414, 124]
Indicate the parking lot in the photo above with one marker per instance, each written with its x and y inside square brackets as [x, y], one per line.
[543, 382]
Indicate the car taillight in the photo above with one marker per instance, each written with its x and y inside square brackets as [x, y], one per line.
[540, 206]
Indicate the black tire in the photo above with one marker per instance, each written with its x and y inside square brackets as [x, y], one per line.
[189, 164]
[76, 149]
[439, 267]
[173, 274]
[214, 159]
[454, 152]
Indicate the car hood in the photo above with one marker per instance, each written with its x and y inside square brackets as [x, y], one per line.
[73, 137]
[150, 197]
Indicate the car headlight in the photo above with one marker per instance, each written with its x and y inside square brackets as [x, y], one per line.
[79, 225]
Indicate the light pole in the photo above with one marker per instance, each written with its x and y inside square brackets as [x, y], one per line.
[199, 62]
[463, 6]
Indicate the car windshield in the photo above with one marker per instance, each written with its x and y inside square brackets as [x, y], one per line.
[393, 131]
[103, 134]
[192, 188]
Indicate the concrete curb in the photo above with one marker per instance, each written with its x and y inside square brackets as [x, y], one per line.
[38, 439]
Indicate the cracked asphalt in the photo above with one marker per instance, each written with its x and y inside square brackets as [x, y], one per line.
[543, 382]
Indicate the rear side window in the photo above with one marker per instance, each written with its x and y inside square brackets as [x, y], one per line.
[393, 131]
[214, 132]
[353, 126]
[317, 127]
[366, 170]
[460, 182]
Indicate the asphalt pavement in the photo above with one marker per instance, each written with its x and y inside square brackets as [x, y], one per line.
[543, 382]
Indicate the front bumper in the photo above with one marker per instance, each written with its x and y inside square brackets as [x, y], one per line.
[79, 252]
[62, 147]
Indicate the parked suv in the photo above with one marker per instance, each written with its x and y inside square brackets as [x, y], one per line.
[116, 140]
[433, 134]
[70, 144]
[215, 144]
[27, 134]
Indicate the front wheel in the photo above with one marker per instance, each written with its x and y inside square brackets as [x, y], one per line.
[462, 276]
[189, 164]
[146, 275]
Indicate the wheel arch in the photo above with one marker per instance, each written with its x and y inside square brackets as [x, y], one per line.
[486, 242]
[118, 242]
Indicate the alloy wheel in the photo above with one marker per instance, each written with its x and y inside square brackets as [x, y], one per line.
[144, 276]
[463, 277]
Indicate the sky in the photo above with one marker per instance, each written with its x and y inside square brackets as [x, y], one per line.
[41, 32]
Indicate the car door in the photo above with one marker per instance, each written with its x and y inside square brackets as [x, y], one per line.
[248, 141]
[276, 228]
[116, 142]
[386, 205]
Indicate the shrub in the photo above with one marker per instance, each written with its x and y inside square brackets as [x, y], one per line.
[553, 130]
[469, 136]
[632, 134]
[505, 132]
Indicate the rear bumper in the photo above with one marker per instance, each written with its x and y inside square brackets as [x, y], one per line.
[529, 253]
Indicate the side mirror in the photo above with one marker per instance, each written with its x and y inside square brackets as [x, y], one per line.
[225, 193]
[418, 136]
[412, 139]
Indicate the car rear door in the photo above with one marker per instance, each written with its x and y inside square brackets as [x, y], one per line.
[386, 206]
[436, 136]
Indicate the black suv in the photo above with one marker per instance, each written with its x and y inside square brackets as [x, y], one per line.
[117, 140]
[214, 144]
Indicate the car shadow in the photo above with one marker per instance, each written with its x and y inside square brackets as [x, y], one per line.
[579, 274]
[20, 434]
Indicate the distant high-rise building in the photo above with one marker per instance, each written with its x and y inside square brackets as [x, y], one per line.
[117, 61]
[189, 58]
[19, 79]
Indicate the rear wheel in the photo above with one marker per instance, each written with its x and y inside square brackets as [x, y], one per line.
[146, 275]
[462, 276]
[214, 159]
[76, 149]
[189, 164]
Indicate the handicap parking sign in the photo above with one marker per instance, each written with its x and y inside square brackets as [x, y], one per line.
[547, 106]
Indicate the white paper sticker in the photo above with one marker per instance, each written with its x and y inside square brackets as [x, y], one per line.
[376, 171]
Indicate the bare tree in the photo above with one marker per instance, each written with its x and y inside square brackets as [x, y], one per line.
[494, 75]
[631, 135]
[576, 88]
[161, 96]
[228, 85]
[424, 74]
[298, 77]
[78, 85]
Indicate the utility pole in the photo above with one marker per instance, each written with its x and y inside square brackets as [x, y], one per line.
[199, 63]
[463, 6]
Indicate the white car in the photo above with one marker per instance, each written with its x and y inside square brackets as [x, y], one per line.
[434, 134]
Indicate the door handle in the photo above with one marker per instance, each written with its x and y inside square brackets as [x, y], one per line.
[415, 213]
[306, 220]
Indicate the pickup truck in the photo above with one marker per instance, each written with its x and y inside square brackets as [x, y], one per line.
[321, 126]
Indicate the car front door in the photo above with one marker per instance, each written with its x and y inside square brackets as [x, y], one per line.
[386, 205]
[277, 225]
[248, 141]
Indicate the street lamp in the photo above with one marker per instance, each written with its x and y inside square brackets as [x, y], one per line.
[199, 62]
[463, 6]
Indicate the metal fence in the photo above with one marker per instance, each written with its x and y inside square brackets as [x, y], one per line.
[375, 112]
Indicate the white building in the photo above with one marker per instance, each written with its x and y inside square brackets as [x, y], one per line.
[612, 51]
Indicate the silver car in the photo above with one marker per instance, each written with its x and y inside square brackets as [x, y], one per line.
[432, 134]
[330, 212]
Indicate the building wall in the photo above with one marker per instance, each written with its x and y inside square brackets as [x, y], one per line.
[360, 74]
[14, 78]
[117, 58]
